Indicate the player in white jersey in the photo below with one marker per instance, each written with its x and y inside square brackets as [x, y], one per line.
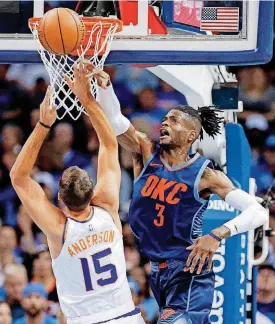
[85, 244]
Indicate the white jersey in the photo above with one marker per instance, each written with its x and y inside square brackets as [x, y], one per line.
[90, 271]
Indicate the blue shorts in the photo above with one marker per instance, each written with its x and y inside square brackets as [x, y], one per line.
[178, 292]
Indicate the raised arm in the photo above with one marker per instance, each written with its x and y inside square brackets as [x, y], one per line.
[128, 137]
[108, 174]
[49, 218]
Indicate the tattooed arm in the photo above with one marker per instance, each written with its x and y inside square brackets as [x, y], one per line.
[253, 215]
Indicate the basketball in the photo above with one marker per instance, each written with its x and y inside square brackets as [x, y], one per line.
[61, 31]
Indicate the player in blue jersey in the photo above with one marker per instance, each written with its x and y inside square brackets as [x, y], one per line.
[171, 193]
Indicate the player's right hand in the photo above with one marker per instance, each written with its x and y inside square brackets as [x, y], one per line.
[48, 109]
[103, 78]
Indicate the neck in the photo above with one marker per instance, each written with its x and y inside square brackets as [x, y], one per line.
[175, 156]
[38, 319]
[82, 215]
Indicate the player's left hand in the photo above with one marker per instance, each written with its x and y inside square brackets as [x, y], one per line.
[47, 109]
[203, 248]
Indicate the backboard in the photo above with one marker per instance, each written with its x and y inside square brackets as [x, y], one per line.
[159, 32]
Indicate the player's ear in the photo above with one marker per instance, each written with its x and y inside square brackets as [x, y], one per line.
[58, 197]
[192, 136]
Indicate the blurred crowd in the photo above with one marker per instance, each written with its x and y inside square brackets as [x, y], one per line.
[24, 257]
[27, 284]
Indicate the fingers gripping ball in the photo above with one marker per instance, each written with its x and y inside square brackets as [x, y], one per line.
[61, 31]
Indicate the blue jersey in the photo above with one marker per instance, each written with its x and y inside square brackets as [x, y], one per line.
[166, 212]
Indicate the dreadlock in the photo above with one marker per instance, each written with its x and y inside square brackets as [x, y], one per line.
[207, 116]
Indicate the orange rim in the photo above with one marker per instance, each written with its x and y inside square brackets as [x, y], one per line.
[89, 23]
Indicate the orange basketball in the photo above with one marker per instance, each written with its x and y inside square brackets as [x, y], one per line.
[61, 31]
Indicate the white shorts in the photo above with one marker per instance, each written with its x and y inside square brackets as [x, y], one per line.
[134, 319]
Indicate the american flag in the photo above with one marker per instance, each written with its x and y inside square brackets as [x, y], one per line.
[221, 19]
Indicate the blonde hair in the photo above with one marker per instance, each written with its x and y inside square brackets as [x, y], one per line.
[14, 269]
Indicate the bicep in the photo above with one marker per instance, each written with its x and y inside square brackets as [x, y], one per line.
[45, 215]
[217, 182]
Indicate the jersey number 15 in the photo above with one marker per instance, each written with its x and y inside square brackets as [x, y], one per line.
[99, 269]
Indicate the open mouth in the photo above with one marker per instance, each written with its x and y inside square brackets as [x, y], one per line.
[164, 133]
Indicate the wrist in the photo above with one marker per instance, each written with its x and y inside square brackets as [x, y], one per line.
[221, 232]
[44, 125]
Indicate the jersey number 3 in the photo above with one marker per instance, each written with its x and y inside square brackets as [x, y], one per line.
[160, 221]
[99, 269]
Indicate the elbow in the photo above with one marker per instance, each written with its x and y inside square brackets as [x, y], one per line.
[111, 145]
[262, 216]
[15, 177]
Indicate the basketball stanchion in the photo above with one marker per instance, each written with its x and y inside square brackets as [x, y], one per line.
[95, 46]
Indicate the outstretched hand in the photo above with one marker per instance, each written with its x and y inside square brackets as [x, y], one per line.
[203, 248]
[81, 83]
[47, 109]
[101, 76]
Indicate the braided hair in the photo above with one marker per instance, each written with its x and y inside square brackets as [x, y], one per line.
[207, 116]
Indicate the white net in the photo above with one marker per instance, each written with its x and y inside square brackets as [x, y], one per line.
[59, 65]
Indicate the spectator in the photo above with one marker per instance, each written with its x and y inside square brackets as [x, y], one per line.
[5, 313]
[13, 100]
[46, 180]
[147, 301]
[132, 257]
[14, 282]
[35, 116]
[256, 131]
[8, 244]
[43, 273]
[63, 138]
[32, 239]
[12, 138]
[264, 170]
[124, 95]
[136, 79]
[266, 291]
[168, 97]
[148, 117]
[39, 91]
[34, 304]
[27, 74]
[256, 93]
[128, 237]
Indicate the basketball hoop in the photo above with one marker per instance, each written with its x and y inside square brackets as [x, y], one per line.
[99, 33]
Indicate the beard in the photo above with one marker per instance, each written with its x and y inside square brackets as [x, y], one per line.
[33, 311]
[166, 146]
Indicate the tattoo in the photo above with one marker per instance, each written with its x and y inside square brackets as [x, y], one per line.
[207, 173]
[222, 232]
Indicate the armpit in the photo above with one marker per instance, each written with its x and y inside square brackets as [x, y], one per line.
[137, 164]
[207, 174]
[137, 158]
